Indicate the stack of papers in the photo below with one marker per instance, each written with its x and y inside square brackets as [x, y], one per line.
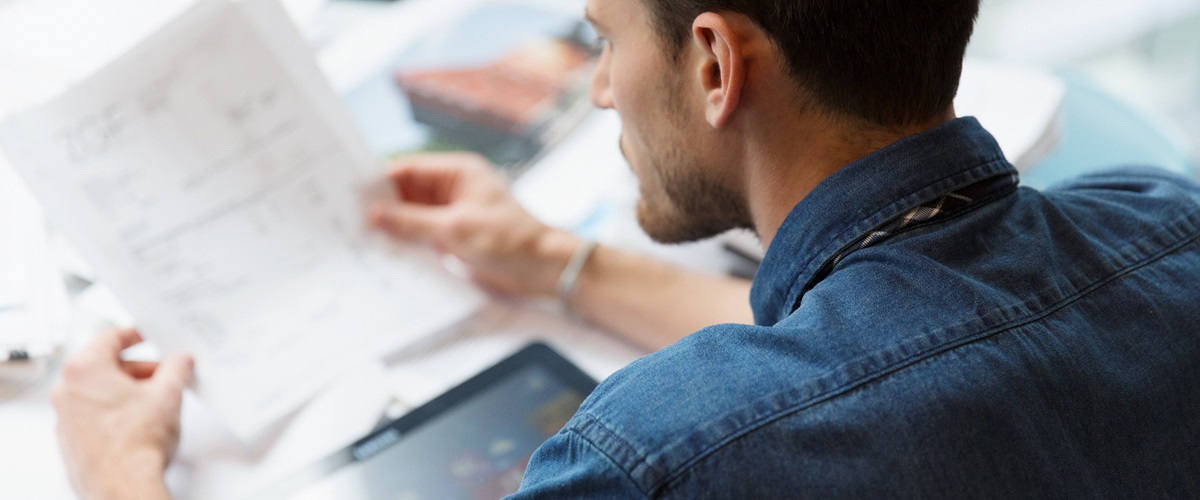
[215, 183]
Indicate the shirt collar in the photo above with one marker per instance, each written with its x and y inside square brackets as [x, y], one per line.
[863, 195]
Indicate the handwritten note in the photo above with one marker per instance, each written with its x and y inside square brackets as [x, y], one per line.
[212, 178]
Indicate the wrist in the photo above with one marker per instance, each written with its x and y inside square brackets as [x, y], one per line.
[554, 252]
[136, 475]
[568, 281]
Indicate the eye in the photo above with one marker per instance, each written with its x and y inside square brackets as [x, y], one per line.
[599, 44]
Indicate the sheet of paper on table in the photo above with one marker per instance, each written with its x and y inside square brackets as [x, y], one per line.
[213, 180]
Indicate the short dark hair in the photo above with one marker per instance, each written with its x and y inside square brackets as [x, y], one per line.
[888, 62]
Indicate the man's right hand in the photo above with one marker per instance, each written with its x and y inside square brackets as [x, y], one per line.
[118, 421]
[458, 203]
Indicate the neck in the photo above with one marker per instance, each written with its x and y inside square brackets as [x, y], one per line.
[789, 162]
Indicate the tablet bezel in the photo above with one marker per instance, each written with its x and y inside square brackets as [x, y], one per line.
[537, 353]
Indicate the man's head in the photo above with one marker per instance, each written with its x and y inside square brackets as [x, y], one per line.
[703, 85]
[888, 64]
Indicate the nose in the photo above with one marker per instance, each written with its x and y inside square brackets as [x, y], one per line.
[601, 92]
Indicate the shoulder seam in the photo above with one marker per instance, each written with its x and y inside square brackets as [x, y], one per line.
[591, 422]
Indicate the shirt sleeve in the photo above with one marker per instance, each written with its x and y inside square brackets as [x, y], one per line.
[568, 466]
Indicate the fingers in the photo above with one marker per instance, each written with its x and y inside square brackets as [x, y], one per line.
[421, 185]
[411, 221]
[441, 161]
[435, 178]
[175, 372]
[139, 369]
[110, 344]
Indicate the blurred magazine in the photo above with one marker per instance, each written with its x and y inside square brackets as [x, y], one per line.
[507, 80]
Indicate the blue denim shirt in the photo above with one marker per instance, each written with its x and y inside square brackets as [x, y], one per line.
[926, 328]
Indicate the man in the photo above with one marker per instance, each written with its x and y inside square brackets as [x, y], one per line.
[923, 327]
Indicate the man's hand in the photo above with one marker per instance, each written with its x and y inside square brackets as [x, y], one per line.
[461, 205]
[458, 203]
[118, 422]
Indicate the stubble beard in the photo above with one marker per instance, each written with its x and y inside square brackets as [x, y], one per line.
[687, 205]
[682, 199]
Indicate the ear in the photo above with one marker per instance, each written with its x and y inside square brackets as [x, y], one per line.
[722, 70]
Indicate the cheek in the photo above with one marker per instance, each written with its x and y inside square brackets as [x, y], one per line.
[627, 80]
[643, 128]
[637, 129]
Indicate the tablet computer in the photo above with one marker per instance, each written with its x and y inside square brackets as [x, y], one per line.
[471, 442]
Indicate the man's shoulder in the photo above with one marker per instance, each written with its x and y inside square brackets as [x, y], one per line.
[893, 352]
[1148, 192]
[668, 410]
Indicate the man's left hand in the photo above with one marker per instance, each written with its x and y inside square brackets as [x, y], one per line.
[118, 421]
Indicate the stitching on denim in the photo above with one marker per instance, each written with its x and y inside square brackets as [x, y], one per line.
[1192, 219]
[628, 448]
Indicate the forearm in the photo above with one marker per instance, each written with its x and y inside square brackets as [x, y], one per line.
[653, 303]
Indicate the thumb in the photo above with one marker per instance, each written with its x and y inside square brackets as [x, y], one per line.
[410, 220]
[175, 373]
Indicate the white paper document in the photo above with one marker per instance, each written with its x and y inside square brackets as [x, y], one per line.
[214, 181]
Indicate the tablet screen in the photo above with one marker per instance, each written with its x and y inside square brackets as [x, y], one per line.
[474, 442]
